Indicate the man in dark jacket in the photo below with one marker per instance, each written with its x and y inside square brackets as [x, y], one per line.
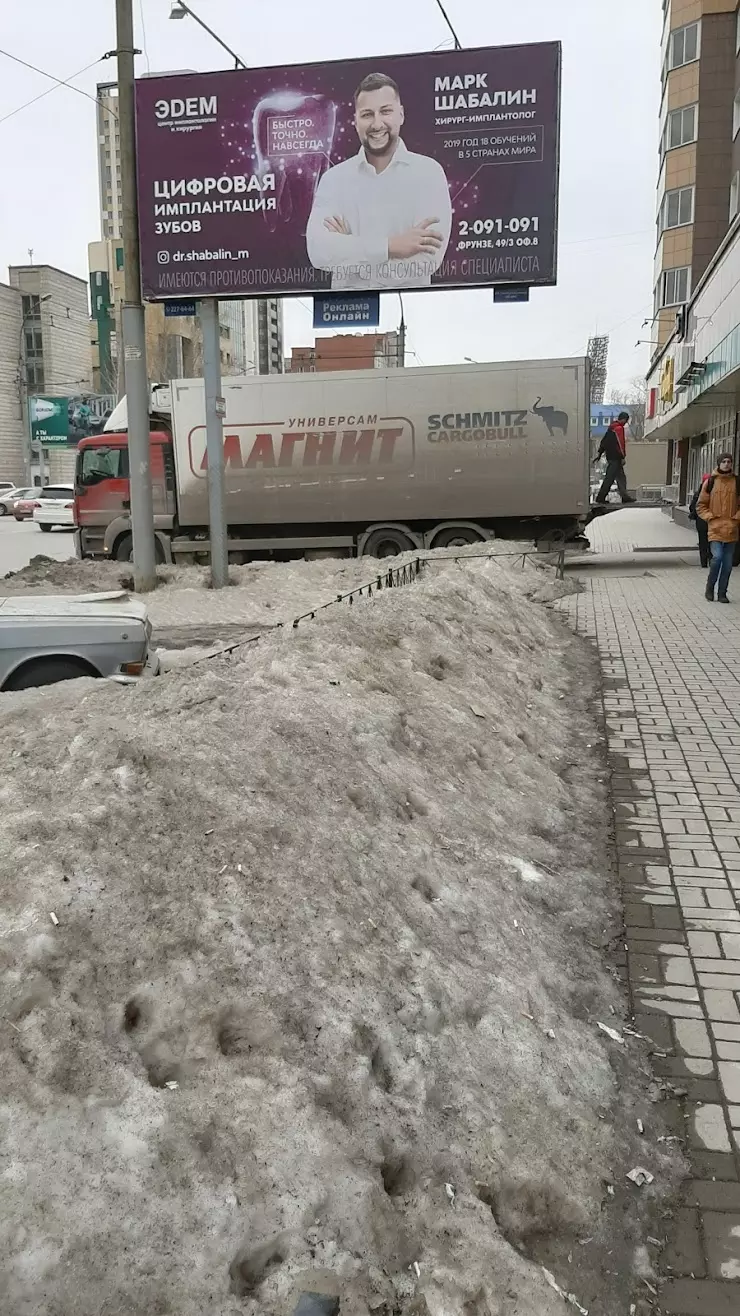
[702, 529]
[614, 447]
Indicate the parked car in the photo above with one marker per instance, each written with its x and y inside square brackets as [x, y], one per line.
[23, 509]
[54, 505]
[9, 499]
[60, 637]
[5, 485]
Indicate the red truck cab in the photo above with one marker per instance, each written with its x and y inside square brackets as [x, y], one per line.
[103, 495]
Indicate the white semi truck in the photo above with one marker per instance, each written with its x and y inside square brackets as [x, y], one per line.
[372, 462]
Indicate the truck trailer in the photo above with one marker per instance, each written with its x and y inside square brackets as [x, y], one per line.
[373, 462]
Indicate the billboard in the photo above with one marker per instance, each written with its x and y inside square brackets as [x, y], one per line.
[66, 420]
[366, 175]
[48, 420]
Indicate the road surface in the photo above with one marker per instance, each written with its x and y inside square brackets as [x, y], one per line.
[22, 540]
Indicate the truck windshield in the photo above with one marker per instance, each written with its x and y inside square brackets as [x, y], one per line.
[96, 464]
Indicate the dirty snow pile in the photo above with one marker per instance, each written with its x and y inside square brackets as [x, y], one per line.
[317, 1007]
[267, 592]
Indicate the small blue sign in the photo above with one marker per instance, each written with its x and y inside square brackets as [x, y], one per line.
[511, 292]
[178, 308]
[348, 310]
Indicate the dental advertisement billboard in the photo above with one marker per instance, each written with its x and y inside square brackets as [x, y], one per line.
[384, 174]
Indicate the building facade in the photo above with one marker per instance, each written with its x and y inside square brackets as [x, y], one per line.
[694, 379]
[693, 210]
[349, 352]
[14, 438]
[55, 344]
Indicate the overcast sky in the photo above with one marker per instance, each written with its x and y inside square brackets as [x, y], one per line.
[48, 160]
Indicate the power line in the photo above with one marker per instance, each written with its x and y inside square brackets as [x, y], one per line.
[67, 82]
[59, 82]
[446, 18]
[143, 35]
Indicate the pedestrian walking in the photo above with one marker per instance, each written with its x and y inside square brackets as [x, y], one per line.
[719, 505]
[702, 529]
[613, 446]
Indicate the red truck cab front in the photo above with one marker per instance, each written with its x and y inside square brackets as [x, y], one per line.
[103, 495]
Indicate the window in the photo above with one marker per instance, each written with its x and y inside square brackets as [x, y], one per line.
[683, 46]
[677, 208]
[680, 128]
[736, 116]
[119, 258]
[734, 197]
[34, 342]
[31, 308]
[35, 376]
[675, 286]
[103, 464]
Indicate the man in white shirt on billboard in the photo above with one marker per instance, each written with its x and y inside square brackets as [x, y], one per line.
[383, 218]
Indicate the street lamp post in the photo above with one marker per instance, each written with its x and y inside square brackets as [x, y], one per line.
[132, 318]
[181, 10]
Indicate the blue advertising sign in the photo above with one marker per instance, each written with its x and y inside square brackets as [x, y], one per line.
[350, 311]
[179, 308]
[512, 292]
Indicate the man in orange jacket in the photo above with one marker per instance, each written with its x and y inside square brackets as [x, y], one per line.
[719, 506]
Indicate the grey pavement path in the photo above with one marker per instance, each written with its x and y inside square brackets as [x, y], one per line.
[671, 674]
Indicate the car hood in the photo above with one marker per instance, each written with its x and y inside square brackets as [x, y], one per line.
[119, 605]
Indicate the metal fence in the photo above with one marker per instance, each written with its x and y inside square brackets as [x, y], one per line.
[393, 578]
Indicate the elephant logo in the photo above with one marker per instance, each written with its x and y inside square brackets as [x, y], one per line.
[554, 419]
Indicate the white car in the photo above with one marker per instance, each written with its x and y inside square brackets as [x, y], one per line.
[56, 506]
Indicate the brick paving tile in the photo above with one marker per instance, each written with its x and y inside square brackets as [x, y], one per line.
[671, 670]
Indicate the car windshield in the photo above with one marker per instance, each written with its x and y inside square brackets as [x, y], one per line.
[96, 464]
[56, 491]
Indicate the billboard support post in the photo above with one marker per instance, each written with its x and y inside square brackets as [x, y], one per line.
[208, 315]
[134, 333]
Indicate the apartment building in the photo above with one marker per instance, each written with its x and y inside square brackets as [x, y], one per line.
[693, 212]
[14, 445]
[348, 352]
[694, 379]
[54, 357]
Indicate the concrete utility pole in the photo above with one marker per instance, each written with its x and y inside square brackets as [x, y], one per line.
[215, 407]
[134, 335]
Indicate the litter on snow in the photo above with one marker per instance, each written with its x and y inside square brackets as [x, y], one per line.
[569, 1297]
[612, 1033]
[54, 920]
[640, 1176]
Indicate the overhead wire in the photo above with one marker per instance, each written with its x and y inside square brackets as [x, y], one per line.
[143, 36]
[60, 82]
[448, 21]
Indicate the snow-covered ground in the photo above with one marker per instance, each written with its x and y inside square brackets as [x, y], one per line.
[318, 1005]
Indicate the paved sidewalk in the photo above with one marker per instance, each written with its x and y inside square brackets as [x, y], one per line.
[671, 667]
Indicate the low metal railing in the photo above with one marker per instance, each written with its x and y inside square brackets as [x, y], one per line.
[393, 578]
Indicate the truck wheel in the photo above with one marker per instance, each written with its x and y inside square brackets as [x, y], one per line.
[125, 550]
[387, 541]
[457, 538]
[47, 671]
